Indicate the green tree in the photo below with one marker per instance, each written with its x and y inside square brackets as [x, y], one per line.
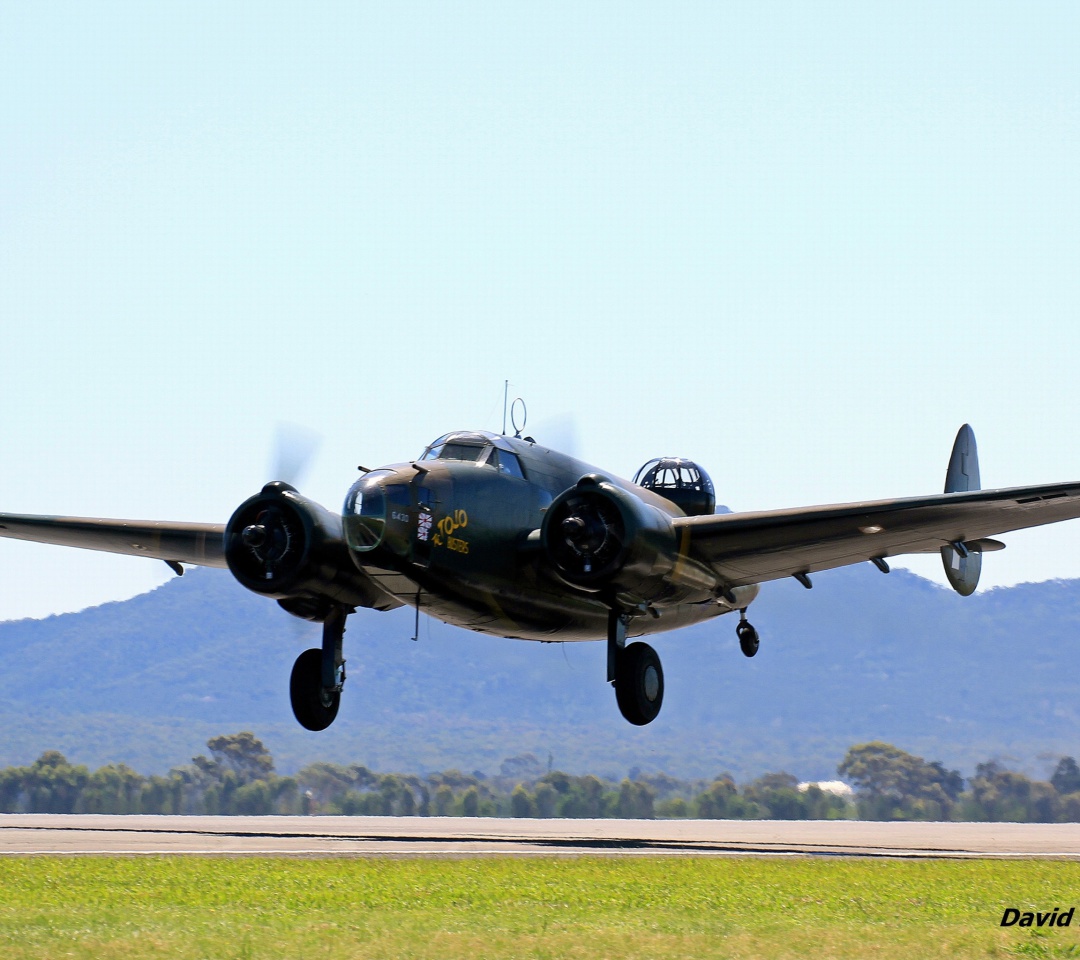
[663, 785]
[470, 802]
[390, 794]
[522, 803]
[778, 794]
[254, 799]
[546, 799]
[242, 753]
[674, 808]
[214, 784]
[823, 805]
[114, 789]
[713, 803]
[444, 800]
[577, 796]
[162, 794]
[1066, 778]
[1069, 811]
[326, 784]
[454, 779]
[12, 789]
[635, 801]
[893, 784]
[1003, 795]
[53, 785]
[523, 767]
[559, 781]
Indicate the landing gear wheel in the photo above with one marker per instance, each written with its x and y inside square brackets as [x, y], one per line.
[639, 684]
[314, 707]
[749, 641]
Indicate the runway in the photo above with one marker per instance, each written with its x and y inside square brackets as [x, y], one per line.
[28, 834]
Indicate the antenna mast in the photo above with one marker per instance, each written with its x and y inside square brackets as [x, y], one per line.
[506, 387]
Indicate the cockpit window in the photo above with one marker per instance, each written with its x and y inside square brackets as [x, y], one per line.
[455, 451]
[674, 478]
[506, 462]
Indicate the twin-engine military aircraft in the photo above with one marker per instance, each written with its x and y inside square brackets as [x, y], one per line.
[504, 536]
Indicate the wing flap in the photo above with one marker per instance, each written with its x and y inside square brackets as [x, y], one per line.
[202, 544]
[745, 548]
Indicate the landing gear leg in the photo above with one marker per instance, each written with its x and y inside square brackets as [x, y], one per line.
[319, 674]
[749, 641]
[616, 642]
[636, 673]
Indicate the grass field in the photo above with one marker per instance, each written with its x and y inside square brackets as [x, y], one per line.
[194, 907]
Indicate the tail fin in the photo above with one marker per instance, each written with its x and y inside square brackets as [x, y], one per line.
[963, 472]
[963, 563]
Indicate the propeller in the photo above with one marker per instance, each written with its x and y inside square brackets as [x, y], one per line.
[271, 535]
[592, 529]
[267, 536]
[295, 447]
[559, 433]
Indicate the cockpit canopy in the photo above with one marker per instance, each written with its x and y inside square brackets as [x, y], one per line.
[682, 482]
[483, 449]
[456, 450]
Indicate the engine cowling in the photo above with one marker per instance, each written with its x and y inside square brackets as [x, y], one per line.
[598, 536]
[281, 544]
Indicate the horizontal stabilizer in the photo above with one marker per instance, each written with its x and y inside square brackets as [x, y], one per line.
[985, 545]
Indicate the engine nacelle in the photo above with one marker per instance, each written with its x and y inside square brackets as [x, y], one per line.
[598, 536]
[280, 544]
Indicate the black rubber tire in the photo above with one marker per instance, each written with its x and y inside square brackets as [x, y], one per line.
[748, 639]
[314, 709]
[639, 684]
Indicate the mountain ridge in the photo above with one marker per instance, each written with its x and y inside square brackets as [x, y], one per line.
[860, 657]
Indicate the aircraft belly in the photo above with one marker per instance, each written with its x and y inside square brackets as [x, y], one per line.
[527, 615]
[397, 584]
[675, 618]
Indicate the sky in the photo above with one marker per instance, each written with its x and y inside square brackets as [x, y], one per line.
[800, 243]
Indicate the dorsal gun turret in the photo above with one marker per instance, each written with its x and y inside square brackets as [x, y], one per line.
[681, 481]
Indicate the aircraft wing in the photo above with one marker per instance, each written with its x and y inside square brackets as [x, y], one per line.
[195, 543]
[745, 548]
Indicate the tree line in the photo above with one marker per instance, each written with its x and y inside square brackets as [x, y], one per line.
[238, 778]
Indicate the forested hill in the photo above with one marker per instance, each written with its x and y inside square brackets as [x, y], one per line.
[860, 657]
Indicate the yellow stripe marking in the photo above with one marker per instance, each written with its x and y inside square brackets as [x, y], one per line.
[684, 548]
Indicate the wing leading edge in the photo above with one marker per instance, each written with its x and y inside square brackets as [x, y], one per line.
[745, 548]
[202, 544]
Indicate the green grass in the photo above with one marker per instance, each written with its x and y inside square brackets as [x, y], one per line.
[193, 907]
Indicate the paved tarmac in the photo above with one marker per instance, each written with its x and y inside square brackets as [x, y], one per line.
[25, 834]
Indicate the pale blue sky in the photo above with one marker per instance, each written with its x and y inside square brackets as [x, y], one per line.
[800, 243]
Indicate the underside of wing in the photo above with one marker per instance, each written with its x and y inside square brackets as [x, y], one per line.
[194, 543]
[745, 548]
